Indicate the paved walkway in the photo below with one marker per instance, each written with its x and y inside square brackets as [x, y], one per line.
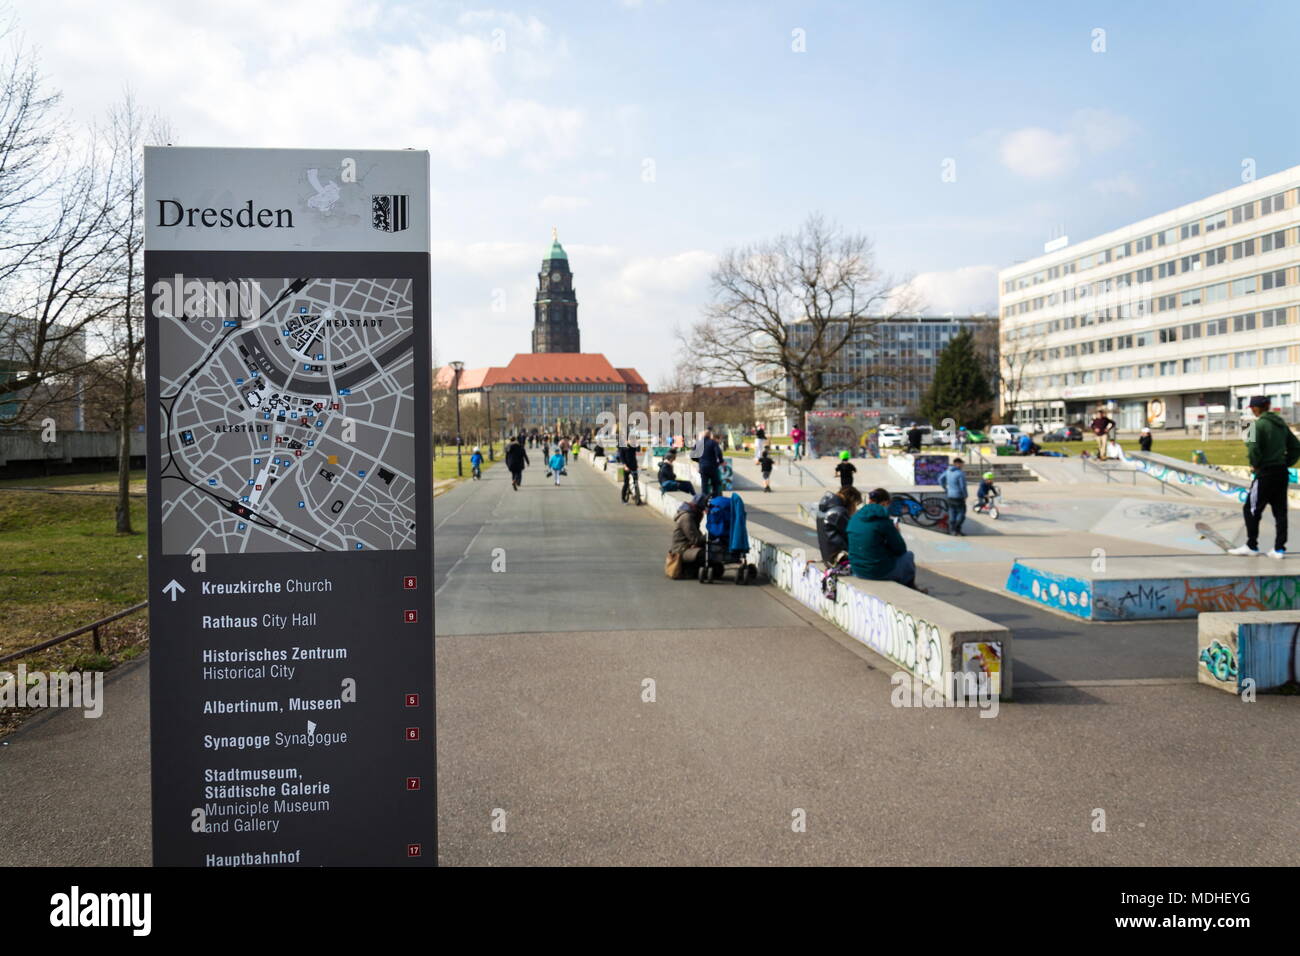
[761, 709]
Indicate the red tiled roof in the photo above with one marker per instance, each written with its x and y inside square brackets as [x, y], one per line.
[561, 367]
[545, 367]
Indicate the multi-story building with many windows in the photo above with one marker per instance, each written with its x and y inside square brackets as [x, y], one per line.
[902, 349]
[1164, 321]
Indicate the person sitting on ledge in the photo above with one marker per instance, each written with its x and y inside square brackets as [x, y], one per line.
[668, 480]
[877, 551]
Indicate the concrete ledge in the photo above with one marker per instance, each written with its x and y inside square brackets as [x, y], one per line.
[1260, 647]
[922, 635]
[1156, 587]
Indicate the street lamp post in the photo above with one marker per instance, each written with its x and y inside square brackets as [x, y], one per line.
[492, 454]
[455, 387]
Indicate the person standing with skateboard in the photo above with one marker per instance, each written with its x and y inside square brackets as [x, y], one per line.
[1272, 450]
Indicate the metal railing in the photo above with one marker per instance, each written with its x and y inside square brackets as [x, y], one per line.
[1109, 474]
[92, 628]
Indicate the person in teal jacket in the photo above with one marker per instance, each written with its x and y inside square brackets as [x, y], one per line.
[877, 551]
[557, 465]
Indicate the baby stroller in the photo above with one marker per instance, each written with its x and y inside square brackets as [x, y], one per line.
[726, 541]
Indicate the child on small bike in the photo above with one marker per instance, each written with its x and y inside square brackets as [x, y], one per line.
[986, 492]
[476, 463]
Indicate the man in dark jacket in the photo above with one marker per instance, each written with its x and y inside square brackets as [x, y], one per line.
[1272, 450]
[627, 458]
[833, 514]
[914, 438]
[877, 551]
[668, 476]
[516, 459]
[710, 462]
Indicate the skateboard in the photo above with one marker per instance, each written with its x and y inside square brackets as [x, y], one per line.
[1205, 531]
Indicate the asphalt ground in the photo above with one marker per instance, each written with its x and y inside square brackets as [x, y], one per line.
[760, 713]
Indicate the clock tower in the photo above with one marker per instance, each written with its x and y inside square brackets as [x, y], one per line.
[555, 313]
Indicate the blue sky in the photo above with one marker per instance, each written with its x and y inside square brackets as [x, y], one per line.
[545, 114]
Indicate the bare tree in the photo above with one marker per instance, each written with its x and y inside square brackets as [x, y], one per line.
[58, 291]
[122, 334]
[785, 309]
[1018, 353]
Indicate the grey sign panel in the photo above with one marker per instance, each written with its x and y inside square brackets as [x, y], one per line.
[326, 200]
[290, 547]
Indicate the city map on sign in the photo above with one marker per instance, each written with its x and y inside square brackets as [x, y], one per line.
[287, 416]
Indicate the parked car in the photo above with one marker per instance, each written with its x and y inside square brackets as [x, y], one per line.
[891, 436]
[1004, 434]
[975, 436]
[1068, 433]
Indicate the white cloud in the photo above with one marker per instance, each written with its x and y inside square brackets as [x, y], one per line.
[961, 291]
[1038, 153]
[316, 73]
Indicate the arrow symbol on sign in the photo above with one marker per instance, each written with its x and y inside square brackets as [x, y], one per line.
[173, 587]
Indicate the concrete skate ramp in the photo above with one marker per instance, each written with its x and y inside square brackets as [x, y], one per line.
[1156, 586]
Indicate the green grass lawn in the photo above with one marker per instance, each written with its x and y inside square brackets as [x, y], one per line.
[62, 565]
[444, 465]
[96, 481]
[1218, 452]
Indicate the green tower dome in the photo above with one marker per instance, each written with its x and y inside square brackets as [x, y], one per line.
[557, 250]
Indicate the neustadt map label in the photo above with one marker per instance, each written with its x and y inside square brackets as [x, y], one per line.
[290, 507]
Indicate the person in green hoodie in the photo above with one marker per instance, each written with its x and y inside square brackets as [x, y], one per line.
[1272, 450]
[877, 551]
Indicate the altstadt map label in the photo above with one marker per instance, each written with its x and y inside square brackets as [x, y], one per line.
[290, 507]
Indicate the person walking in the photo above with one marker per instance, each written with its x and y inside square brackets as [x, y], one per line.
[796, 441]
[557, 465]
[954, 489]
[1101, 427]
[846, 470]
[516, 461]
[710, 465]
[1272, 449]
[1144, 440]
[760, 441]
[765, 465]
[564, 449]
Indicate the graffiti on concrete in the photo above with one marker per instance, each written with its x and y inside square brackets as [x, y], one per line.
[895, 633]
[928, 468]
[1166, 473]
[1220, 661]
[1143, 599]
[1071, 595]
[1170, 512]
[1241, 594]
[1281, 593]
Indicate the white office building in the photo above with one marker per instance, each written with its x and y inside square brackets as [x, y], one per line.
[1165, 321]
[902, 351]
